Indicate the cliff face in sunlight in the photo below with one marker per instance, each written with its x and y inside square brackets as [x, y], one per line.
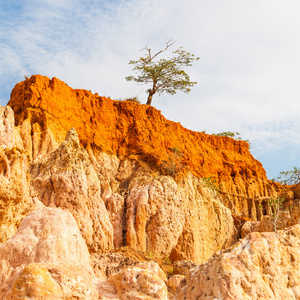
[127, 129]
[93, 191]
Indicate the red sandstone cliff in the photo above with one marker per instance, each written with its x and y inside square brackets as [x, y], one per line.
[87, 171]
[140, 131]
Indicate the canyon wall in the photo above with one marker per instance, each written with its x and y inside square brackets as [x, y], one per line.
[80, 171]
[46, 110]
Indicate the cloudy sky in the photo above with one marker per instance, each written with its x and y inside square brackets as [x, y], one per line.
[248, 75]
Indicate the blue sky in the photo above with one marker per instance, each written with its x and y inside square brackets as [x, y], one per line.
[248, 75]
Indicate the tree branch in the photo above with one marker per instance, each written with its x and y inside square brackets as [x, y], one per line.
[169, 43]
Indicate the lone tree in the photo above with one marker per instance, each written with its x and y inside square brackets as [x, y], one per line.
[165, 75]
[289, 177]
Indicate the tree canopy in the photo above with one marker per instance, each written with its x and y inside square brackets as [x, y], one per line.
[165, 75]
[290, 177]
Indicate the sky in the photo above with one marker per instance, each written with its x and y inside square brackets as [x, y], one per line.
[248, 73]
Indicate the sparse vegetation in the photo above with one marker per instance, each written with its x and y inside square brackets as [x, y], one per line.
[173, 164]
[210, 182]
[133, 99]
[277, 208]
[165, 75]
[235, 135]
[288, 177]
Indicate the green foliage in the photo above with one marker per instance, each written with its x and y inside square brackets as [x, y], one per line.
[277, 207]
[173, 164]
[168, 260]
[289, 177]
[210, 182]
[234, 135]
[165, 75]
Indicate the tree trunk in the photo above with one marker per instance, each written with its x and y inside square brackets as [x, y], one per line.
[149, 99]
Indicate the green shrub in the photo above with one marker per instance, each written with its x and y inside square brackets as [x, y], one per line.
[173, 164]
[210, 182]
[277, 207]
[234, 135]
[289, 177]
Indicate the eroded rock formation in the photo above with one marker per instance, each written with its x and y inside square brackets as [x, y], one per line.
[47, 109]
[46, 259]
[92, 175]
[261, 266]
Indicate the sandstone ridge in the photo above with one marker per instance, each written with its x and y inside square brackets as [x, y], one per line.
[126, 128]
[95, 203]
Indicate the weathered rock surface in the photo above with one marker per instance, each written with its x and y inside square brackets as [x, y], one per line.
[7, 127]
[209, 226]
[49, 108]
[46, 258]
[106, 163]
[261, 266]
[15, 201]
[155, 215]
[139, 283]
[174, 282]
[182, 267]
[65, 178]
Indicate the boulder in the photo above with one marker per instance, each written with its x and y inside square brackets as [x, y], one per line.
[47, 256]
[139, 284]
[261, 266]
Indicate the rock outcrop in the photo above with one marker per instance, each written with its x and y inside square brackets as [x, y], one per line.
[84, 175]
[47, 109]
[65, 178]
[261, 266]
[7, 127]
[139, 283]
[46, 259]
[15, 200]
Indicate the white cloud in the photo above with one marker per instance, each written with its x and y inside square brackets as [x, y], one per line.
[248, 75]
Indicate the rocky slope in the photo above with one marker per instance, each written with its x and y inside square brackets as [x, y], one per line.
[46, 110]
[82, 176]
[261, 266]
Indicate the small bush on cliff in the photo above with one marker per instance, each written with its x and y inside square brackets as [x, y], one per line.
[210, 182]
[277, 208]
[234, 135]
[289, 177]
[164, 75]
[173, 164]
[133, 99]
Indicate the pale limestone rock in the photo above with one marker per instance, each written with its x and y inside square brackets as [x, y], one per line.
[266, 224]
[7, 126]
[115, 205]
[35, 138]
[139, 284]
[154, 267]
[174, 281]
[47, 255]
[66, 178]
[35, 282]
[155, 215]
[209, 225]
[15, 201]
[261, 266]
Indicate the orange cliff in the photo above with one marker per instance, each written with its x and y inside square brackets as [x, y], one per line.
[126, 128]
